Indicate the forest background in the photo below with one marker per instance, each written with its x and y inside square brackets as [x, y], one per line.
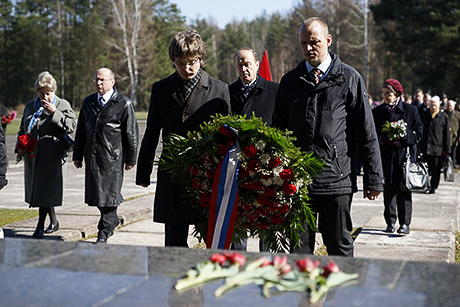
[414, 41]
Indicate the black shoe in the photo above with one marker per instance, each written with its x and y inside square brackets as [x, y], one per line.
[431, 191]
[101, 240]
[52, 228]
[404, 229]
[38, 234]
[390, 229]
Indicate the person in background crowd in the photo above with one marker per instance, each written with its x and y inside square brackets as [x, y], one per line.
[435, 144]
[398, 203]
[3, 165]
[444, 100]
[178, 104]
[107, 138]
[418, 98]
[408, 99]
[251, 94]
[454, 124]
[323, 101]
[45, 118]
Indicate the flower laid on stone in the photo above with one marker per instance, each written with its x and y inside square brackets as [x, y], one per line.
[272, 178]
[268, 274]
[395, 130]
[26, 143]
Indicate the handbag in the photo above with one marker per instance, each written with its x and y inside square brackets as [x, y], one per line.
[65, 142]
[416, 177]
[448, 169]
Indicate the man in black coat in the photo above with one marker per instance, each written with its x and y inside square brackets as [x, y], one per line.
[178, 104]
[435, 144]
[3, 159]
[107, 138]
[324, 103]
[251, 93]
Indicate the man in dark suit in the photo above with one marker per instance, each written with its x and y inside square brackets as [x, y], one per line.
[178, 104]
[107, 137]
[251, 92]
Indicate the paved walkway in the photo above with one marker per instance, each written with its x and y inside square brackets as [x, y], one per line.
[432, 237]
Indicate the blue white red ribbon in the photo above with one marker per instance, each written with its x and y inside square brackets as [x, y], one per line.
[224, 196]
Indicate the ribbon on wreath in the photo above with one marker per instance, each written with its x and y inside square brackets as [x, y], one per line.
[224, 196]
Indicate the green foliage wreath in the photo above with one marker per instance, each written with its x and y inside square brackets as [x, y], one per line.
[272, 183]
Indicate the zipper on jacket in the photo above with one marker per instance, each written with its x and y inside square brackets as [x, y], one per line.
[336, 158]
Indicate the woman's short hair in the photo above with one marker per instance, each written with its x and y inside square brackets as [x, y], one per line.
[187, 44]
[45, 79]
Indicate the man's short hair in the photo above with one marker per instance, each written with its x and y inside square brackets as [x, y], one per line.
[307, 22]
[254, 53]
[187, 44]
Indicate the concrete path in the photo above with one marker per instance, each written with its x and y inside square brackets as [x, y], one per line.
[432, 237]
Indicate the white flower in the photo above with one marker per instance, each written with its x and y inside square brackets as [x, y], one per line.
[260, 145]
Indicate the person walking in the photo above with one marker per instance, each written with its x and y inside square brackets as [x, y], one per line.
[397, 203]
[323, 101]
[107, 139]
[44, 120]
[454, 125]
[435, 144]
[178, 104]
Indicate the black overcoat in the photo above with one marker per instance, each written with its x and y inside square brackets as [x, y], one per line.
[169, 114]
[436, 134]
[261, 100]
[108, 140]
[393, 156]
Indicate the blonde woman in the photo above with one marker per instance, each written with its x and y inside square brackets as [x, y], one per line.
[45, 118]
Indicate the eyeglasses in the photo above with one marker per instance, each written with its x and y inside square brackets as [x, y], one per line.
[96, 80]
[182, 64]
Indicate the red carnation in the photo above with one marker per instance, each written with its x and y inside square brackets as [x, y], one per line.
[262, 211]
[246, 207]
[262, 200]
[274, 162]
[284, 208]
[286, 174]
[277, 219]
[269, 192]
[263, 225]
[256, 185]
[243, 173]
[253, 165]
[196, 184]
[210, 173]
[206, 159]
[222, 150]
[265, 176]
[252, 216]
[195, 171]
[289, 188]
[250, 151]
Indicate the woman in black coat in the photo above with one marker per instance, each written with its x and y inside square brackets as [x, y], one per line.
[435, 143]
[398, 203]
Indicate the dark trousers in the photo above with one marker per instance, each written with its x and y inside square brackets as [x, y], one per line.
[334, 223]
[176, 235]
[398, 204]
[435, 164]
[108, 222]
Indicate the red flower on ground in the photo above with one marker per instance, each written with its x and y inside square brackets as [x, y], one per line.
[235, 258]
[289, 188]
[250, 151]
[286, 174]
[218, 258]
[307, 265]
[332, 267]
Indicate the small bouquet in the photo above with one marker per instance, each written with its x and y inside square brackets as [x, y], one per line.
[268, 273]
[26, 143]
[6, 119]
[395, 130]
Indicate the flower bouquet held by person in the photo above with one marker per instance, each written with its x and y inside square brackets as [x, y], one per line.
[242, 178]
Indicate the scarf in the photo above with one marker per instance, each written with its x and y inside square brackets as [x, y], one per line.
[247, 88]
[38, 113]
[186, 86]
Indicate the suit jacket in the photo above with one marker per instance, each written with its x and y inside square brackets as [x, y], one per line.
[261, 100]
[107, 138]
[168, 114]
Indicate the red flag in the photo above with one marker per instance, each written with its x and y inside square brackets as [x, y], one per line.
[264, 69]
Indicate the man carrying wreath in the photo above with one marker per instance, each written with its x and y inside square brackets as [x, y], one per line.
[178, 104]
[324, 102]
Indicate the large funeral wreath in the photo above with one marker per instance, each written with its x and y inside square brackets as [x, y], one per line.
[272, 181]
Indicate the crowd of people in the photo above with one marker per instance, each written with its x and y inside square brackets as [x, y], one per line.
[323, 101]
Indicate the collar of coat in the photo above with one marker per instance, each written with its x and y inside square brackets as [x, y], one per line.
[336, 74]
[115, 98]
[202, 85]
